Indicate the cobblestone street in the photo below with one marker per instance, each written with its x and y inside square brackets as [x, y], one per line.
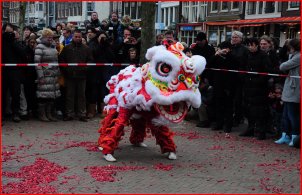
[61, 157]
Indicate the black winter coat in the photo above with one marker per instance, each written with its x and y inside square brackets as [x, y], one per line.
[75, 53]
[255, 87]
[222, 81]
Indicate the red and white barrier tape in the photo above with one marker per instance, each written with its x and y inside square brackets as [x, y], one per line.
[259, 73]
[127, 64]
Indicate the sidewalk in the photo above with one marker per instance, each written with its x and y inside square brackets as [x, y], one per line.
[61, 157]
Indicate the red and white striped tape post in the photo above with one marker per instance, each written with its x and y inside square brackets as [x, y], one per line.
[127, 64]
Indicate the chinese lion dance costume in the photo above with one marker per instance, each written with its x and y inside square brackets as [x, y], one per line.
[151, 97]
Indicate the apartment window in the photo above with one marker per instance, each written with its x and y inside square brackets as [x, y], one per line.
[171, 15]
[162, 15]
[279, 6]
[194, 11]
[167, 16]
[133, 10]
[224, 6]
[40, 6]
[186, 7]
[235, 5]
[269, 7]
[176, 14]
[139, 9]
[214, 6]
[251, 8]
[294, 5]
[90, 7]
[70, 11]
[260, 7]
[127, 9]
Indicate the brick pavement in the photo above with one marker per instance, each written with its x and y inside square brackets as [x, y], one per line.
[207, 161]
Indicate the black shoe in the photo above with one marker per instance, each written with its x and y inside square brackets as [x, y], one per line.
[83, 119]
[203, 124]
[67, 118]
[16, 118]
[247, 133]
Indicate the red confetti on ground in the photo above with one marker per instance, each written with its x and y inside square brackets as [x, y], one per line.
[190, 135]
[107, 173]
[12, 150]
[90, 146]
[34, 178]
[279, 166]
[60, 134]
[163, 167]
[215, 148]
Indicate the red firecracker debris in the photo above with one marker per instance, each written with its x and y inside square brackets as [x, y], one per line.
[107, 173]
[34, 178]
[163, 167]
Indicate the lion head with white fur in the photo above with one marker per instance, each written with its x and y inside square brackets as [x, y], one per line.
[168, 83]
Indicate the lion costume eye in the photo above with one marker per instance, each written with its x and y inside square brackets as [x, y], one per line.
[163, 69]
[181, 78]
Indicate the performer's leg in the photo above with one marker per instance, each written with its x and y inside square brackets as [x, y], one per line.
[138, 132]
[113, 134]
[164, 138]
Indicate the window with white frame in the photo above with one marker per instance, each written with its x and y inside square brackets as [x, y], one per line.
[126, 8]
[202, 11]
[194, 12]
[235, 5]
[133, 10]
[260, 7]
[139, 10]
[171, 15]
[251, 9]
[224, 6]
[40, 6]
[269, 7]
[214, 6]
[293, 5]
[186, 7]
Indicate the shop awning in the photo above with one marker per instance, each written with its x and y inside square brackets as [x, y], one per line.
[258, 22]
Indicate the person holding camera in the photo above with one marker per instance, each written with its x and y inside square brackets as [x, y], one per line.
[123, 49]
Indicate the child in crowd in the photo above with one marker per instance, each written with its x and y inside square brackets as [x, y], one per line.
[276, 107]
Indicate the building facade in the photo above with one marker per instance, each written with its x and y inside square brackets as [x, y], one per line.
[192, 20]
[5, 12]
[217, 14]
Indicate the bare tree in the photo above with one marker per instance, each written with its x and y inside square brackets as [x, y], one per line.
[22, 16]
[148, 28]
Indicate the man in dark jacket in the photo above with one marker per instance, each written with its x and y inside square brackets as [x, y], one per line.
[240, 53]
[95, 22]
[255, 90]
[12, 52]
[223, 84]
[75, 77]
[202, 47]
